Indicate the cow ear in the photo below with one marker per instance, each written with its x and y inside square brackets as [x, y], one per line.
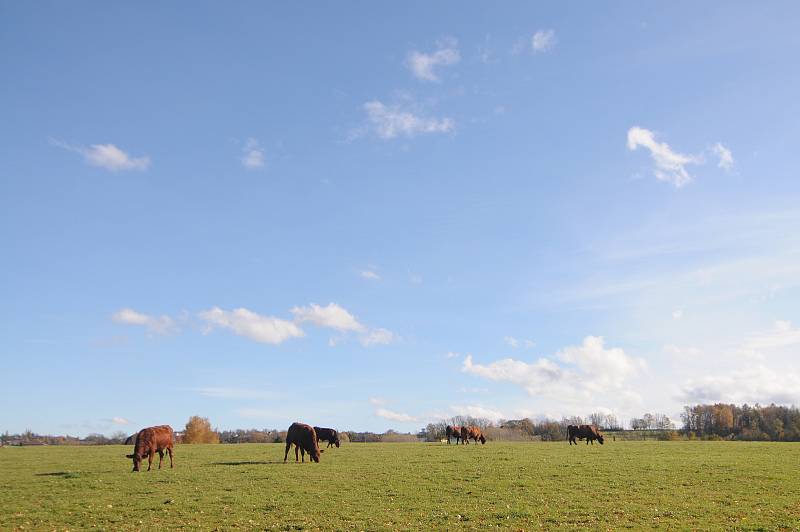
[128, 456]
[322, 450]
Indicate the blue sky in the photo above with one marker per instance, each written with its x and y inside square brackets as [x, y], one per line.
[370, 216]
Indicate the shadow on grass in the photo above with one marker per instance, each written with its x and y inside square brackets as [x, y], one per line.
[62, 474]
[247, 463]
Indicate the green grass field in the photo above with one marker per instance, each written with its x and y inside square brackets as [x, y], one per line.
[685, 485]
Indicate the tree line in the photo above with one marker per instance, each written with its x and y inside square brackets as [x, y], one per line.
[704, 421]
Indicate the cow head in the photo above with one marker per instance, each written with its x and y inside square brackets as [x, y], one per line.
[483, 439]
[600, 438]
[136, 460]
[336, 441]
[314, 454]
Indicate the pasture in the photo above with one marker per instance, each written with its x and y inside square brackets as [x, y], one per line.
[684, 485]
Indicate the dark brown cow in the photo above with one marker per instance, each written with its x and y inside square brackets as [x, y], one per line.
[453, 431]
[473, 433]
[150, 441]
[304, 439]
[329, 435]
[587, 432]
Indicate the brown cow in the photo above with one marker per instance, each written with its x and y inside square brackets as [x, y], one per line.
[587, 432]
[475, 434]
[453, 431]
[329, 435]
[150, 441]
[304, 439]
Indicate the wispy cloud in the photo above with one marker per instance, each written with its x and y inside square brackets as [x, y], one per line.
[725, 156]
[477, 411]
[243, 322]
[670, 165]
[119, 421]
[394, 416]
[370, 274]
[423, 65]
[106, 156]
[154, 324]
[378, 337]
[516, 343]
[392, 121]
[332, 316]
[543, 41]
[252, 155]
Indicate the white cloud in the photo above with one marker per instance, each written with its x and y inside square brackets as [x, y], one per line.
[422, 65]
[543, 41]
[377, 401]
[389, 122]
[154, 324]
[394, 416]
[682, 353]
[253, 155]
[781, 335]
[243, 322]
[757, 384]
[106, 156]
[371, 275]
[588, 368]
[670, 165]
[511, 341]
[725, 156]
[120, 421]
[222, 392]
[451, 354]
[516, 343]
[332, 316]
[378, 337]
[477, 411]
[677, 314]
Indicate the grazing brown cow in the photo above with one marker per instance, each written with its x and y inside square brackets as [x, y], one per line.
[304, 439]
[475, 434]
[329, 435]
[587, 432]
[453, 431]
[150, 441]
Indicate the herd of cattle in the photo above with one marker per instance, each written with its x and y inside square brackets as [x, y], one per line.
[305, 438]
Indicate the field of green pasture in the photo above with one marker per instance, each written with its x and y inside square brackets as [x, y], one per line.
[684, 485]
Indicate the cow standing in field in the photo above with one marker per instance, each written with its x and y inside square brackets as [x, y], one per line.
[304, 439]
[329, 435]
[150, 441]
[473, 433]
[587, 432]
[453, 431]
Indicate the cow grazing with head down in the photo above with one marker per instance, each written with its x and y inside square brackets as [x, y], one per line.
[475, 434]
[587, 432]
[329, 435]
[304, 439]
[453, 431]
[150, 441]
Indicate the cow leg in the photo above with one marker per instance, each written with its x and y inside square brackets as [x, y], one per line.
[286, 454]
[150, 460]
[169, 450]
[160, 457]
[296, 451]
[302, 455]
